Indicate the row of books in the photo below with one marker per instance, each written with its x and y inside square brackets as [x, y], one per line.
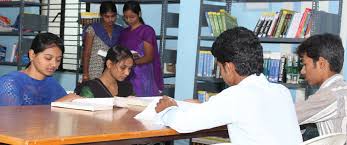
[284, 24]
[220, 21]
[207, 66]
[284, 69]
[88, 18]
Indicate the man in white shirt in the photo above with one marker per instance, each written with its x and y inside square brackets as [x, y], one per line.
[322, 58]
[255, 111]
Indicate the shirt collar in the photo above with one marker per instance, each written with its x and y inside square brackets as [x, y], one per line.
[253, 79]
[331, 80]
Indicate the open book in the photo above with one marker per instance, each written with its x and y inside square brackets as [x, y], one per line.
[95, 104]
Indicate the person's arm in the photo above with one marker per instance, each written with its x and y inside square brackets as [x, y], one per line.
[312, 109]
[69, 98]
[197, 117]
[86, 55]
[150, 44]
[148, 54]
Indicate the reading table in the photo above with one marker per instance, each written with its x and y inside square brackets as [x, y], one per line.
[43, 124]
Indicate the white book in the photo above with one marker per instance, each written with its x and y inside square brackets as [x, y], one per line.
[95, 104]
[81, 106]
[294, 25]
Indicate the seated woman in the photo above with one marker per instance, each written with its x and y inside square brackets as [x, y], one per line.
[118, 65]
[35, 84]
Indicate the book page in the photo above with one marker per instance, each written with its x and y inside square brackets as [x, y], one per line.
[99, 101]
[134, 101]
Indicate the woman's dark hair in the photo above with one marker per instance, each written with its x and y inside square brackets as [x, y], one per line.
[107, 7]
[328, 46]
[42, 41]
[241, 47]
[116, 54]
[134, 6]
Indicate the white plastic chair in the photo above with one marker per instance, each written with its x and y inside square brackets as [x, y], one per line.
[329, 139]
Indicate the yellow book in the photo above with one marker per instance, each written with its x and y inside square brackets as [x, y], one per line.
[230, 21]
[281, 21]
[220, 23]
[215, 20]
[213, 27]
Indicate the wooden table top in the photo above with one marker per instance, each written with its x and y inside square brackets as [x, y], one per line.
[50, 125]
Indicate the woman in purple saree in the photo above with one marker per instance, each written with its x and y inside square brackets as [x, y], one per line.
[147, 77]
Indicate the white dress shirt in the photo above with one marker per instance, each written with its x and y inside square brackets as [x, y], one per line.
[255, 111]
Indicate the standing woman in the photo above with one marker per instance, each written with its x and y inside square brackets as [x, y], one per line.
[147, 78]
[35, 84]
[100, 36]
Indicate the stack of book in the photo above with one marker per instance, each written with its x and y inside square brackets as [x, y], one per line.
[220, 21]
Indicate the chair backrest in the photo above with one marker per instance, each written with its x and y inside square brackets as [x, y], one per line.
[329, 139]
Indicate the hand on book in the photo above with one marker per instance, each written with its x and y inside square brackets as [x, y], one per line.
[69, 98]
[164, 103]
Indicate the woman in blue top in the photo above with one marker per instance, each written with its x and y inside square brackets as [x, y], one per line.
[35, 84]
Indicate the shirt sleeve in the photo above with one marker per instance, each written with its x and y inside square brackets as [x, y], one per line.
[197, 117]
[317, 107]
[9, 93]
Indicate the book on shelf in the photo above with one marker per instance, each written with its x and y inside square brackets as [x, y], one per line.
[207, 65]
[203, 96]
[264, 23]
[302, 23]
[230, 21]
[294, 25]
[282, 68]
[291, 24]
[282, 22]
[220, 21]
[88, 18]
[96, 104]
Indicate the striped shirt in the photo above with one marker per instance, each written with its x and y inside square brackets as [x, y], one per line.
[327, 107]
